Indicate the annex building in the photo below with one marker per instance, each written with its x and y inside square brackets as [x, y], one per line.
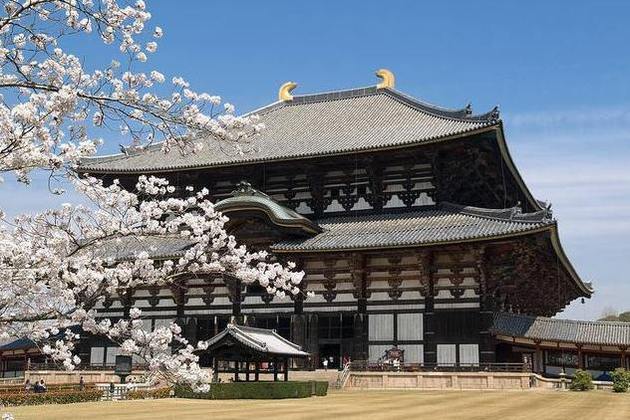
[411, 222]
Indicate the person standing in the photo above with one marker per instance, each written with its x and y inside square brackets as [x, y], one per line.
[325, 363]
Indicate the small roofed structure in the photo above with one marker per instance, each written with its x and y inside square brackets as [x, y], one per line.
[241, 347]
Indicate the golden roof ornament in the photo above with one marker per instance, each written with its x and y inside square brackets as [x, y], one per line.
[284, 94]
[387, 79]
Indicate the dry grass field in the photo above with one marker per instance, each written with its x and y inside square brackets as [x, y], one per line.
[536, 405]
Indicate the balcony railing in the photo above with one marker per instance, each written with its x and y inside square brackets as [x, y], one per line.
[366, 366]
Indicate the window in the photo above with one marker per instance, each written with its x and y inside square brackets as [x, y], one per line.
[561, 358]
[409, 327]
[97, 355]
[111, 353]
[603, 362]
[446, 354]
[414, 353]
[381, 327]
[468, 354]
[376, 352]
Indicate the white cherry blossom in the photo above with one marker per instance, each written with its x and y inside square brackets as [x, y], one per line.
[58, 266]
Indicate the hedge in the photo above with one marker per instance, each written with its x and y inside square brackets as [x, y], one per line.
[60, 397]
[582, 381]
[621, 380]
[150, 394]
[257, 390]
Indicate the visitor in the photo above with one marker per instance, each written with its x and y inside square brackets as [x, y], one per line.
[325, 363]
[27, 385]
[42, 386]
[81, 384]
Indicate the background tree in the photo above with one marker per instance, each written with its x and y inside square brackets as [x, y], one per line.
[623, 316]
[57, 266]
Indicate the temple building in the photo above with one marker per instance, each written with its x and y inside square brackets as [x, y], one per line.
[411, 222]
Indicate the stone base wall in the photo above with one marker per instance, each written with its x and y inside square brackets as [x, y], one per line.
[438, 380]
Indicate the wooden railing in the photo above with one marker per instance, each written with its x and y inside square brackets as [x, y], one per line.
[366, 366]
[83, 366]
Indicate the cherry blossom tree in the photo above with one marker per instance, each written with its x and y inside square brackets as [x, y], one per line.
[58, 266]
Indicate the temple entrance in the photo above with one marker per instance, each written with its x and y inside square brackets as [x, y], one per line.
[331, 352]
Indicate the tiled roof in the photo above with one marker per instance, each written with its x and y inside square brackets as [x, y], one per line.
[610, 333]
[246, 198]
[449, 223]
[19, 344]
[258, 339]
[313, 125]
[128, 247]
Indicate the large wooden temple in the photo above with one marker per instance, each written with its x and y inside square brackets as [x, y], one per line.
[411, 222]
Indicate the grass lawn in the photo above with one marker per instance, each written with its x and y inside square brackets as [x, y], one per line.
[536, 405]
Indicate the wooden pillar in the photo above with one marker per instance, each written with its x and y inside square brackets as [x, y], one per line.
[275, 370]
[580, 356]
[236, 369]
[257, 372]
[286, 370]
[215, 374]
[425, 267]
[623, 357]
[361, 293]
[487, 344]
[359, 282]
[247, 371]
[538, 359]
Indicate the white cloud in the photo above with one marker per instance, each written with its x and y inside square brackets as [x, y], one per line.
[579, 160]
[571, 117]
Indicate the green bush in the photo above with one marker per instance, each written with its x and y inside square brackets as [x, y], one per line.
[59, 397]
[321, 388]
[582, 381]
[621, 380]
[256, 390]
[149, 394]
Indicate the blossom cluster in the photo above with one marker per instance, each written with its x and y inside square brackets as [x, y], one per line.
[57, 267]
[52, 104]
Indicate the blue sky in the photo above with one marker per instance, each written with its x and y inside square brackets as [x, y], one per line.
[559, 70]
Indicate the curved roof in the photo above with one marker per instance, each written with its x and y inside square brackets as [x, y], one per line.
[606, 333]
[246, 198]
[449, 223]
[259, 340]
[315, 125]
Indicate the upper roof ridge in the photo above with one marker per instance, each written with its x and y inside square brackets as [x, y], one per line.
[514, 213]
[462, 114]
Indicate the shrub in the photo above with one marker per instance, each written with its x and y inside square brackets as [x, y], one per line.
[321, 388]
[59, 397]
[621, 380]
[582, 381]
[149, 394]
[257, 390]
